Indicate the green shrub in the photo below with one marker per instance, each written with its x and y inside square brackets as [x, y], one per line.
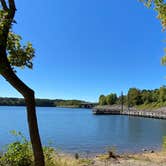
[164, 143]
[49, 154]
[18, 153]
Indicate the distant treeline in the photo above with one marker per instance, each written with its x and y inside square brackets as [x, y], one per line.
[4, 101]
[136, 97]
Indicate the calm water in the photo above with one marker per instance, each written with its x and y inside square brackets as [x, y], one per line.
[77, 130]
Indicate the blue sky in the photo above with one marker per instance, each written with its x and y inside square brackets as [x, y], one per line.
[85, 48]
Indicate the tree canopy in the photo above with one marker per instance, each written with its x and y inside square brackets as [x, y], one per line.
[136, 97]
[111, 99]
[160, 7]
[18, 55]
[102, 100]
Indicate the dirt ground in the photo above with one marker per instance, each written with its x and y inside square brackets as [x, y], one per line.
[141, 159]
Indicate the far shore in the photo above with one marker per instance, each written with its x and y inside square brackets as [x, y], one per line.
[72, 107]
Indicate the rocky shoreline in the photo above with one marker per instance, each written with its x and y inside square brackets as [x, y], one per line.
[146, 158]
[119, 110]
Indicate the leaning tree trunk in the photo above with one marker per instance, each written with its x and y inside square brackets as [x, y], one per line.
[28, 94]
[7, 72]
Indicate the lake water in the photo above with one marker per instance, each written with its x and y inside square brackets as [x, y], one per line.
[78, 130]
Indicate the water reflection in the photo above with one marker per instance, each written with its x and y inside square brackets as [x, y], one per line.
[79, 130]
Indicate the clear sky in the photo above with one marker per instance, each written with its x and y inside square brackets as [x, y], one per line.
[85, 48]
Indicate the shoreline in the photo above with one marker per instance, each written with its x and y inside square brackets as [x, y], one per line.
[72, 107]
[110, 158]
[118, 110]
[92, 154]
[147, 158]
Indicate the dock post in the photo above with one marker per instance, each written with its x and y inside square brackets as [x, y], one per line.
[122, 101]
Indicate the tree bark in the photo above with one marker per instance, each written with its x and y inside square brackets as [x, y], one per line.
[28, 95]
[7, 72]
[33, 129]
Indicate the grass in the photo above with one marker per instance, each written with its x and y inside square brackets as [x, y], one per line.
[52, 158]
[19, 153]
[67, 161]
[151, 106]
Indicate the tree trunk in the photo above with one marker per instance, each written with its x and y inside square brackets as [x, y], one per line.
[33, 129]
[7, 72]
[28, 94]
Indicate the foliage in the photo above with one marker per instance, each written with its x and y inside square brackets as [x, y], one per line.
[76, 103]
[160, 7]
[42, 102]
[111, 99]
[19, 56]
[164, 143]
[151, 106]
[162, 94]
[48, 154]
[142, 99]
[3, 20]
[108, 100]
[134, 97]
[155, 95]
[21, 102]
[20, 153]
[146, 96]
[102, 100]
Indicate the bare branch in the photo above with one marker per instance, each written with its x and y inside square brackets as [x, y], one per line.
[12, 5]
[4, 5]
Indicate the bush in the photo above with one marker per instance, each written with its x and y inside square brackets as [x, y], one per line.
[49, 155]
[18, 153]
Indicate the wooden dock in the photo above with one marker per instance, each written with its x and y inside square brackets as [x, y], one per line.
[108, 112]
[138, 113]
[147, 114]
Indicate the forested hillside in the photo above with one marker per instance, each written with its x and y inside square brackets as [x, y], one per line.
[4, 101]
[139, 98]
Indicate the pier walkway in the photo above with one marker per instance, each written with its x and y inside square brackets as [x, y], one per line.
[130, 112]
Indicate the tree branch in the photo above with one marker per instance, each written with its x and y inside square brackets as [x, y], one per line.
[7, 24]
[4, 5]
[12, 5]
